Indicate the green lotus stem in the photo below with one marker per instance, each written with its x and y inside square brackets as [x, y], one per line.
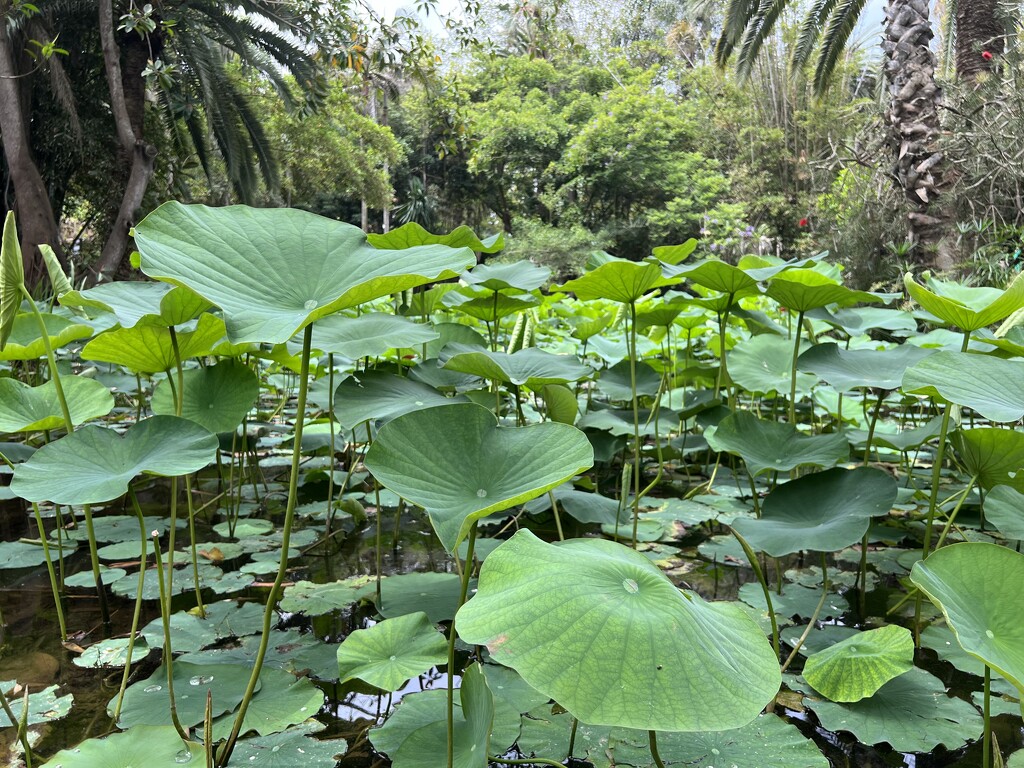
[208, 729]
[192, 546]
[792, 375]
[53, 575]
[723, 320]
[956, 510]
[631, 340]
[871, 426]
[289, 516]
[20, 724]
[572, 737]
[138, 606]
[378, 557]
[756, 567]
[654, 749]
[330, 415]
[70, 427]
[463, 591]
[558, 519]
[814, 617]
[165, 616]
[986, 742]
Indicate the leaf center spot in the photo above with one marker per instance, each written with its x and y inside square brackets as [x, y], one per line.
[481, 493]
[311, 304]
[630, 586]
[393, 658]
[990, 633]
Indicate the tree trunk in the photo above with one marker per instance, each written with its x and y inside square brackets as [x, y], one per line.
[914, 119]
[978, 32]
[138, 155]
[36, 222]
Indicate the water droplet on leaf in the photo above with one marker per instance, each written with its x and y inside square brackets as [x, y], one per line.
[152, 688]
[481, 493]
[311, 304]
[630, 586]
[182, 756]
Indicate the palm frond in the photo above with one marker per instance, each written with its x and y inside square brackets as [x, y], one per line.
[758, 31]
[833, 44]
[810, 31]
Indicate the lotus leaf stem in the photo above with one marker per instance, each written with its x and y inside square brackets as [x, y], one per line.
[814, 617]
[463, 591]
[792, 375]
[165, 616]
[756, 567]
[144, 539]
[652, 736]
[53, 576]
[986, 742]
[20, 724]
[289, 517]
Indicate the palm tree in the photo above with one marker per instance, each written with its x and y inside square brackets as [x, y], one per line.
[185, 53]
[909, 69]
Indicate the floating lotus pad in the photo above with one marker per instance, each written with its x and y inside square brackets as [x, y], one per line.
[95, 464]
[275, 270]
[820, 512]
[601, 630]
[148, 745]
[455, 462]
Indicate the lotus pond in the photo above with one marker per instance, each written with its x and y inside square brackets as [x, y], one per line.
[670, 512]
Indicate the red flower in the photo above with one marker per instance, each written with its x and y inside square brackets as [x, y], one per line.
[986, 55]
[803, 222]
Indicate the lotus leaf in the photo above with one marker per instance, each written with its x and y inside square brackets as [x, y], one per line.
[149, 745]
[369, 335]
[455, 462]
[600, 629]
[275, 270]
[149, 349]
[392, 651]
[137, 302]
[847, 369]
[992, 387]
[856, 667]
[968, 308]
[412, 234]
[26, 343]
[31, 409]
[768, 445]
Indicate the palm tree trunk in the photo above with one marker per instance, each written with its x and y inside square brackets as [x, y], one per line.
[138, 154]
[978, 32]
[914, 119]
[36, 222]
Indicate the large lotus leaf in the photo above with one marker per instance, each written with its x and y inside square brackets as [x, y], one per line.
[384, 396]
[912, 713]
[146, 702]
[767, 742]
[856, 667]
[455, 462]
[95, 464]
[992, 387]
[619, 280]
[44, 706]
[488, 306]
[412, 234]
[1004, 508]
[275, 270]
[716, 275]
[968, 308]
[897, 441]
[520, 275]
[764, 364]
[993, 455]
[859, 320]
[392, 651]
[821, 511]
[154, 746]
[673, 254]
[585, 507]
[770, 445]
[148, 348]
[369, 335]
[803, 289]
[531, 366]
[26, 341]
[616, 381]
[418, 738]
[848, 369]
[31, 409]
[12, 278]
[601, 630]
[218, 397]
[977, 586]
[290, 749]
[282, 700]
[138, 302]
